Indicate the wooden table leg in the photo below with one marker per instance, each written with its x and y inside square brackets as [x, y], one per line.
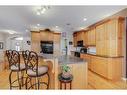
[60, 85]
[70, 85]
[65, 85]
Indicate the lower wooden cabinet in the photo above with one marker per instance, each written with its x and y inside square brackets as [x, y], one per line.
[88, 58]
[108, 67]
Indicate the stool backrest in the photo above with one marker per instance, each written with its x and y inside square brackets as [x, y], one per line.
[9, 55]
[25, 55]
[33, 62]
[15, 59]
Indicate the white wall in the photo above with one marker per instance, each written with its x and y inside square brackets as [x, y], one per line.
[2, 39]
[69, 37]
[11, 43]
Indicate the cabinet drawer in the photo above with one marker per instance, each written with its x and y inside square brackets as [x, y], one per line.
[99, 65]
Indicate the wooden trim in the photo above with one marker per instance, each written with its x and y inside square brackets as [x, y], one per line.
[103, 56]
[56, 33]
[126, 46]
[35, 31]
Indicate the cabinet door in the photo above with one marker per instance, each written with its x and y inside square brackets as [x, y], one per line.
[85, 39]
[89, 37]
[35, 41]
[93, 37]
[46, 36]
[100, 32]
[56, 43]
[99, 65]
[43, 36]
[87, 58]
[112, 29]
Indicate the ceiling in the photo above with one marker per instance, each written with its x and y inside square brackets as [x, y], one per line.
[24, 18]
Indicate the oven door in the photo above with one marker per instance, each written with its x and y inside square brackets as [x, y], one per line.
[47, 47]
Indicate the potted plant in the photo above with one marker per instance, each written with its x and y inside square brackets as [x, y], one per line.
[65, 71]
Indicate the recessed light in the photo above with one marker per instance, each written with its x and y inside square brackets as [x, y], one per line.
[56, 26]
[85, 19]
[38, 24]
[38, 13]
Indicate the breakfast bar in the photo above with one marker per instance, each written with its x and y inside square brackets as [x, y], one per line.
[78, 68]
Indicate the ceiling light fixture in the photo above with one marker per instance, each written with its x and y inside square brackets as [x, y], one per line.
[26, 30]
[56, 26]
[42, 10]
[85, 19]
[38, 24]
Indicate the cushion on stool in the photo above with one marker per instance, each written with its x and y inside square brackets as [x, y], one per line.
[16, 68]
[41, 70]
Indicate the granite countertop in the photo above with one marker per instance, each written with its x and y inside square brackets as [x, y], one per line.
[64, 59]
[103, 55]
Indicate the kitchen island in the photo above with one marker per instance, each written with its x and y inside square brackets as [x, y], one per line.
[78, 69]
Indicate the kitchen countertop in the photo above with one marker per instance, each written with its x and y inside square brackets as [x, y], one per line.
[64, 59]
[102, 55]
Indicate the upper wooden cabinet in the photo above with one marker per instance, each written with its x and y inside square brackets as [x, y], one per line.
[56, 40]
[35, 41]
[85, 39]
[46, 35]
[37, 37]
[79, 36]
[91, 37]
[109, 38]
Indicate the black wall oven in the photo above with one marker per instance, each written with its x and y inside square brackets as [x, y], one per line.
[47, 47]
[80, 43]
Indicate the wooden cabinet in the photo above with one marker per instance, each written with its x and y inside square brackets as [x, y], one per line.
[36, 37]
[46, 35]
[108, 67]
[56, 40]
[109, 38]
[87, 58]
[91, 37]
[99, 65]
[35, 41]
[85, 39]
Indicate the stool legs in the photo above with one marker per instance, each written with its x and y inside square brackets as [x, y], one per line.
[10, 79]
[37, 82]
[19, 79]
[48, 80]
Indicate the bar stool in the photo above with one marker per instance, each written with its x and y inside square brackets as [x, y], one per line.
[35, 71]
[15, 67]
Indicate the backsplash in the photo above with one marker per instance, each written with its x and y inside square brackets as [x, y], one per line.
[91, 50]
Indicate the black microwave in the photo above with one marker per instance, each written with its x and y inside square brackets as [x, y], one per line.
[80, 43]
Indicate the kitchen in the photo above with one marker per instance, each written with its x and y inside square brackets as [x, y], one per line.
[95, 54]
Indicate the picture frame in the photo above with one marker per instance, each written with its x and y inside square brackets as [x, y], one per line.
[1, 45]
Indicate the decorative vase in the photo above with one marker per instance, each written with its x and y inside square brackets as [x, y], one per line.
[66, 75]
